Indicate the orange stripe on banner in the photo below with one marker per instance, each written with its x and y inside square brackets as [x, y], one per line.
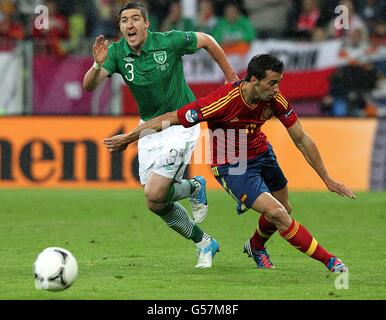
[220, 105]
[219, 100]
[244, 197]
[293, 231]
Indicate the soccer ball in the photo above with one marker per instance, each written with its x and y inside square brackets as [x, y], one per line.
[55, 269]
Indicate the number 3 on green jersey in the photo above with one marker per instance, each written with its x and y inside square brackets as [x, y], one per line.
[130, 71]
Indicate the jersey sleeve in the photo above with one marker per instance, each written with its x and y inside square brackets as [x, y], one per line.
[110, 64]
[184, 42]
[284, 111]
[209, 108]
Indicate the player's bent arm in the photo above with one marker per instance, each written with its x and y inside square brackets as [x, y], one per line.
[93, 78]
[207, 42]
[153, 125]
[121, 141]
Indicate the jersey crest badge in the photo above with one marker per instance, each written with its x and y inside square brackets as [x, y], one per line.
[160, 57]
[128, 59]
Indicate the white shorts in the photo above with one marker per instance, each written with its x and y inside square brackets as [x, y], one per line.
[167, 153]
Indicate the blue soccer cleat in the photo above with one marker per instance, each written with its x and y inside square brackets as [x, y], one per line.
[206, 255]
[199, 202]
[336, 265]
[261, 256]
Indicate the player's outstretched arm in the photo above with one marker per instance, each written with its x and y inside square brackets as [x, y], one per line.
[96, 74]
[310, 151]
[121, 141]
[207, 42]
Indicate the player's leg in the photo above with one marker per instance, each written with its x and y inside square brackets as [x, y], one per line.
[295, 233]
[174, 214]
[167, 154]
[245, 189]
[159, 168]
[176, 217]
[282, 196]
[176, 146]
[195, 190]
[265, 228]
[276, 182]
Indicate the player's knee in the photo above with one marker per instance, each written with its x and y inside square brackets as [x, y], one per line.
[154, 195]
[277, 213]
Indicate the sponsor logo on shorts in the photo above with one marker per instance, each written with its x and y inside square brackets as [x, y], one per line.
[191, 116]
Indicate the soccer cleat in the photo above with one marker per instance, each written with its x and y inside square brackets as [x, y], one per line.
[205, 255]
[198, 202]
[241, 208]
[260, 256]
[336, 265]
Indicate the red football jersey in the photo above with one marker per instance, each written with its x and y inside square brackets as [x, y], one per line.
[235, 126]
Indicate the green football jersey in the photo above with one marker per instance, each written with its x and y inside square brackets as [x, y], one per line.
[156, 76]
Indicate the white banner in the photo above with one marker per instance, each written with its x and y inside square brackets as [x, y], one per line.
[296, 56]
[300, 56]
[11, 84]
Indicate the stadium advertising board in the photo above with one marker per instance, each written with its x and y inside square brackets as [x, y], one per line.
[67, 152]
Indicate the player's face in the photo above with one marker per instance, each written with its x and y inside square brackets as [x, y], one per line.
[134, 28]
[267, 88]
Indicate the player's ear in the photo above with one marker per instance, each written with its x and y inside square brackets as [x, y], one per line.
[254, 80]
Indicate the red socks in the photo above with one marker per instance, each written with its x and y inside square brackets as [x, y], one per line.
[264, 231]
[299, 237]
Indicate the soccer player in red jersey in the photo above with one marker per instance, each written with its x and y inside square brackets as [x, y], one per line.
[243, 160]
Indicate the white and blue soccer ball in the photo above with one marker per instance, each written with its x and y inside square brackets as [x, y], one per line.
[55, 269]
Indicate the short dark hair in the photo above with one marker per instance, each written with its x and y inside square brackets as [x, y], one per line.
[260, 63]
[134, 5]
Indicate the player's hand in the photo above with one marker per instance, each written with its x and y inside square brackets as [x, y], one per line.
[116, 143]
[340, 189]
[99, 49]
[231, 79]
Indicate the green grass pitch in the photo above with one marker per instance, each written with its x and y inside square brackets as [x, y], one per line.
[125, 252]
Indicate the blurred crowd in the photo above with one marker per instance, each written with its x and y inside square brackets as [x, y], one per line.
[234, 24]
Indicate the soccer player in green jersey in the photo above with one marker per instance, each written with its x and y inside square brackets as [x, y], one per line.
[150, 64]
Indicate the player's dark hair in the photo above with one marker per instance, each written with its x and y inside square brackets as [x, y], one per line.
[260, 63]
[134, 5]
